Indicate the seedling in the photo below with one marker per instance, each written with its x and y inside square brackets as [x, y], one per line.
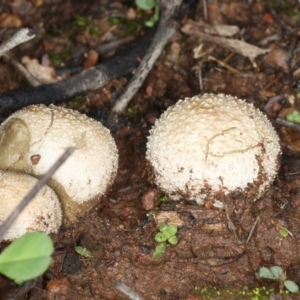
[27, 257]
[284, 233]
[146, 5]
[162, 200]
[293, 117]
[166, 234]
[87, 23]
[277, 273]
[83, 251]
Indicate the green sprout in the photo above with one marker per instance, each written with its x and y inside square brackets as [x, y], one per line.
[83, 251]
[77, 100]
[293, 117]
[27, 257]
[212, 292]
[277, 273]
[86, 22]
[166, 234]
[146, 5]
[150, 213]
[283, 232]
[162, 200]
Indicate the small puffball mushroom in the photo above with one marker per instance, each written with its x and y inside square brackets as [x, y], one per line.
[33, 138]
[43, 213]
[211, 146]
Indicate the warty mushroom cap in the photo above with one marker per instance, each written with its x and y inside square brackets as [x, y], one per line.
[43, 213]
[32, 139]
[213, 145]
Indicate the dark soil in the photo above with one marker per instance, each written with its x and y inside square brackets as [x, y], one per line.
[213, 249]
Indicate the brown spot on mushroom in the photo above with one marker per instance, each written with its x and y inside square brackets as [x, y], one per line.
[35, 159]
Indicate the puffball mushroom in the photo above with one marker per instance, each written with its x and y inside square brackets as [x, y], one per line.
[211, 146]
[43, 213]
[33, 138]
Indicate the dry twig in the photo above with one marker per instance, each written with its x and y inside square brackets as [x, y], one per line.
[237, 46]
[22, 36]
[128, 291]
[31, 79]
[164, 31]
[286, 123]
[252, 230]
[90, 79]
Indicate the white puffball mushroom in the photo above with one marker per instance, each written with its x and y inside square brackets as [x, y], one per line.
[33, 138]
[43, 213]
[211, 146]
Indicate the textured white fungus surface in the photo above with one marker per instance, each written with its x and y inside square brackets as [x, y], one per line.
[43, 213]
[33, 138]
[212, 142]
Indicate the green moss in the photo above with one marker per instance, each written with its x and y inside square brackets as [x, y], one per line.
[245, 293]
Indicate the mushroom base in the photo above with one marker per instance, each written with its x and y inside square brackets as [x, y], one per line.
[205, 195]
[72, 209]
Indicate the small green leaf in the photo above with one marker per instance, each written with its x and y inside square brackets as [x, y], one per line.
[277, 271]
[161, 247]
[166, 233]
[266, 273]
[83, 251]
[145, 4]
[291, 286]
[297, 119]
[149, 213]
[289, 117]
[172, 229]
[159, 237]
[283, 232]
[173, 240]
[157, 254]
[163, 199]
[27, 257]
[162, 227]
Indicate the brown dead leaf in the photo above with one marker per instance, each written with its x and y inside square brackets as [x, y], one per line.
[44, 74]
[237, 46]
[221, 30]
[277, 58]
[10, 20]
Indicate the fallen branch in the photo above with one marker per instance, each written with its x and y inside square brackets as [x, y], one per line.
[164, 31]
[90, 79]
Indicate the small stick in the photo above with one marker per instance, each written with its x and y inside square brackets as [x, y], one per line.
[23, 289]
[252, 230]
[21, 36]
[223, 64]
[205, 12]
[25, 201]
[31, 79]
[128, 291]
[286, 123]
[164, 31]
